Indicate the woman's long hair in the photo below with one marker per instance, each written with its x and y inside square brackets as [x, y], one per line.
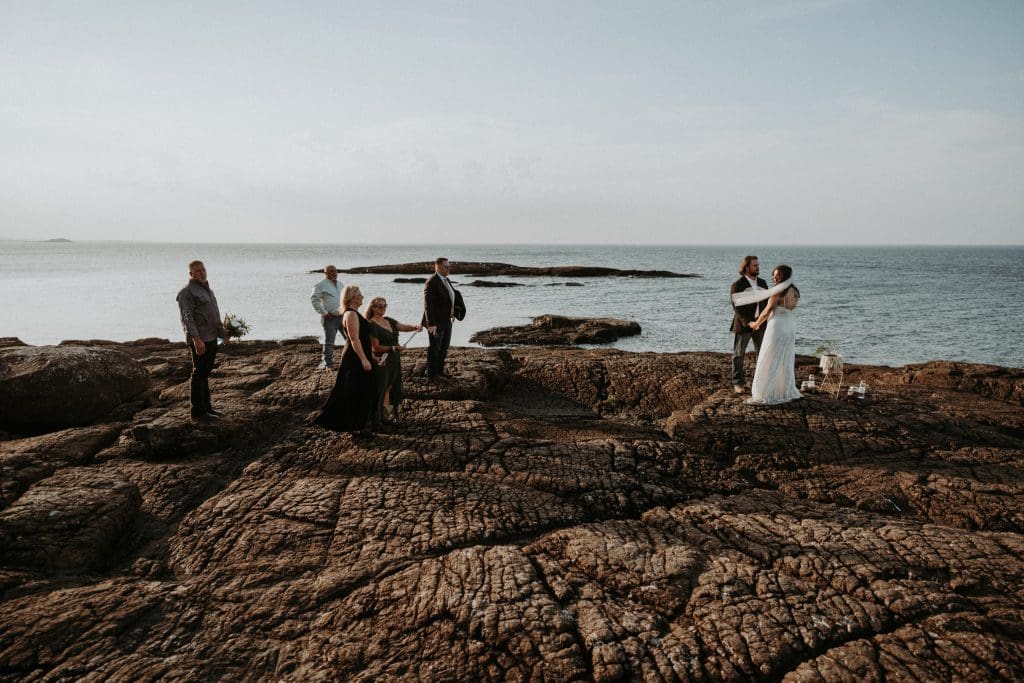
[368, 313]
[786, 272]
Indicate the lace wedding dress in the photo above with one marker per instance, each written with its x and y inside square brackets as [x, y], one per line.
[774, 377]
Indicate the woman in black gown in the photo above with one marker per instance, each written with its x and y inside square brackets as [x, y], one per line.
[348, 407]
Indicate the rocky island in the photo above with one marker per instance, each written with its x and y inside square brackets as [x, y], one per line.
[548, 514]
[484, 268]
[558, 330]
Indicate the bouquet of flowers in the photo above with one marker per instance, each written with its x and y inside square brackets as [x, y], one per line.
[235, 327]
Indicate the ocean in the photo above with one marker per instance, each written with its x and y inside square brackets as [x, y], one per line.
[883, 305]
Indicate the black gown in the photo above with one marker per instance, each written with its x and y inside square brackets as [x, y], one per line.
[348, 407]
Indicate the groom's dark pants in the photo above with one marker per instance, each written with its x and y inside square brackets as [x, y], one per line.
[739, 350]
[437, 350]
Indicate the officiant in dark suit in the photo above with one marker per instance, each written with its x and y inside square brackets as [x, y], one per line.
[442, 304]
[742, 316]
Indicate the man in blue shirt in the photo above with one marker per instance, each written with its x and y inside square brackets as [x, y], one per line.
[326, 300]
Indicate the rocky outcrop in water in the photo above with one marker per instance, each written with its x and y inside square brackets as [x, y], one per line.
[549, 514]
[492, 283]
[558, 330]
[480, 268]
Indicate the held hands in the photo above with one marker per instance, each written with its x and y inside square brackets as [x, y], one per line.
[366, 365]
[419, 328]
[755, 325]
[432, 329]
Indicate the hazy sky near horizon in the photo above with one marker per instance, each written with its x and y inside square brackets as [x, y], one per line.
[789, 121]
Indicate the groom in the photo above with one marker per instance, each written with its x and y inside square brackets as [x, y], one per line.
[742, 316]
[439, 300]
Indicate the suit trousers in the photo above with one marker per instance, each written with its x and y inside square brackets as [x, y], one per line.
[437, 351]
[199, 386]
[739, 350]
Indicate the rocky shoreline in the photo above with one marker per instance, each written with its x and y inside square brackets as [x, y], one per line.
[552, 514]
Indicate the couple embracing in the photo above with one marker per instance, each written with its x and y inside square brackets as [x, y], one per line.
[764, 315]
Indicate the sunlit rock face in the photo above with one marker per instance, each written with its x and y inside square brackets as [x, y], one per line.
[545, 514]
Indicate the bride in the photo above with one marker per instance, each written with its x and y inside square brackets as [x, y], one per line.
[774, 378]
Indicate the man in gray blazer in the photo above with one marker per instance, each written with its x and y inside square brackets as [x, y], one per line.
[201, 321]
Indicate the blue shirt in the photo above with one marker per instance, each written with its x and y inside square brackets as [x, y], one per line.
[326, 297]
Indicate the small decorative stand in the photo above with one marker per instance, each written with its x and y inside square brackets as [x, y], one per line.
[832, 374]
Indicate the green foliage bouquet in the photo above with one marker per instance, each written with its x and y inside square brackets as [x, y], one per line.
[235, 327]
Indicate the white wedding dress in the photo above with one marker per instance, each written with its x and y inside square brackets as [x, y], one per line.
[774, 377]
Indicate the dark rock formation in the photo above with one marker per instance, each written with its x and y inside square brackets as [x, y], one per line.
[478, 268]
[558, 330]
[46, 388]
[410, 280]
[547, 514]
[491, 283]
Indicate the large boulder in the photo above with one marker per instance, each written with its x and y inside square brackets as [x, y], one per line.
[44, 388]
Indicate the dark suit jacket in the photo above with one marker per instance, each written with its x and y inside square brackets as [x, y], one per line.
[437, 305]
[742, 315]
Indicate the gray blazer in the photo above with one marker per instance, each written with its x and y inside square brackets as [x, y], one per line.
[200, 316]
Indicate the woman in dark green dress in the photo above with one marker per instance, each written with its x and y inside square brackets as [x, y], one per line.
[384, 340]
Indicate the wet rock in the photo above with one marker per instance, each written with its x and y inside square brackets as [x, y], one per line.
[410, 280]
[557, 330]
[44, 388]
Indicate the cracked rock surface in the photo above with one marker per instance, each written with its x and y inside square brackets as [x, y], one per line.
[546, 514]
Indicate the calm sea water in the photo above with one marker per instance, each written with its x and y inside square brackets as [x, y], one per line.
[884, 305]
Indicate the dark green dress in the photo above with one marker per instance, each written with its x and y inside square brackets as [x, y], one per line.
[388, 375]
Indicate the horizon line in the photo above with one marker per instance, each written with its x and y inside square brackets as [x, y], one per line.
[62, 240]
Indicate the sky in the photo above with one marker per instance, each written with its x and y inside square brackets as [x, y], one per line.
[686, 122]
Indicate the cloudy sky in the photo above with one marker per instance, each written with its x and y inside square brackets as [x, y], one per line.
[710, 122]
